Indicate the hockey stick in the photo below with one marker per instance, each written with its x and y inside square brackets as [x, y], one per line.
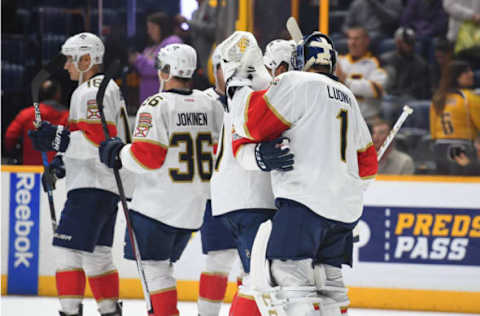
[40, 77]
[113, 69]
[398, 124]
[294, 30]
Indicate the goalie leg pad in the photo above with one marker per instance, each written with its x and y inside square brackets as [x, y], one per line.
[70, 280]
[103, 278]
[293, 272]
[329, 282]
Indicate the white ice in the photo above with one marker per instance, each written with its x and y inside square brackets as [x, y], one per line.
[48, 306]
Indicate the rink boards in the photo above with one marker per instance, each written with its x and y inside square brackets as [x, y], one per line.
[419, 244]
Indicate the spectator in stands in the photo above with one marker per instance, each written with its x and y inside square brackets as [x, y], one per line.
[393, 161]
[428, 19]
[407, 71]
[203, 25]
[442, 54]
[473, 166]
[361, 72]
[51, 110]
[379, 17]
[461, 11]
[159, 29]
[455, 118]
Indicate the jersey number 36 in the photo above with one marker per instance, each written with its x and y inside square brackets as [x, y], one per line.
[193, 152]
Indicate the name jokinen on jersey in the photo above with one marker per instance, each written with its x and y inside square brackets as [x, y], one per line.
[173, 141]
[81, 157]
[317, 180]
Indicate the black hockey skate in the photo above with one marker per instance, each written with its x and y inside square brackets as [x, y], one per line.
[80, 312]
[117, 312]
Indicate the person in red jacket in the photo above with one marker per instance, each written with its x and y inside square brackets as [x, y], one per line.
[50, 109]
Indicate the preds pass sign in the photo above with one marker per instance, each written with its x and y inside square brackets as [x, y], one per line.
[144, 124]
[420, 235]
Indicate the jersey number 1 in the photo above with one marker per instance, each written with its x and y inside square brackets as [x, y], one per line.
[342, 116]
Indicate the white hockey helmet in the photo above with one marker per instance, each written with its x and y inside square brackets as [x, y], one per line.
[278, 51]
[181, 60]
[83, 44]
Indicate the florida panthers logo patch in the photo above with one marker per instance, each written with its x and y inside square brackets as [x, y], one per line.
[144, 125]
[92, 110]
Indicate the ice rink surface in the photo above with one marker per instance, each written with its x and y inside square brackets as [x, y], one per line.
[48, 306]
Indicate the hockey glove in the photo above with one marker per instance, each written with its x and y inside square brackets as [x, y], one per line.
[50, 137]
[55, 170]
[109, 151]
[274, 155]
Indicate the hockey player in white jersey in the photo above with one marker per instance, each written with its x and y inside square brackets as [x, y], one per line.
[278, 56]
[217, 242]
[84, 235]
[243, 199]
[171, 154]
[321, 199]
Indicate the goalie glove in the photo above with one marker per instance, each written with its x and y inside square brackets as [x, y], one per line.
[54, 171]
[242, 63]
[50, 137]
[274, 155]
[109, 152]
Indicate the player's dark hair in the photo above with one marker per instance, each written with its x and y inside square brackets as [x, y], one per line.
[48, 90]
[448, 83]
[163, 21]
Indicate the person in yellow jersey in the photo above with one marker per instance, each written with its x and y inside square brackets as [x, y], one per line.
[455, 119]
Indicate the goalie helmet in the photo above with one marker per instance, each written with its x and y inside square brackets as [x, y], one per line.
[315, 49]
[84, 44]
[278, 51]
[179, 60]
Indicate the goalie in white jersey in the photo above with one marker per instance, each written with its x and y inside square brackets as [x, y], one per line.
[85, 232]
[321, 199]
[171, 153]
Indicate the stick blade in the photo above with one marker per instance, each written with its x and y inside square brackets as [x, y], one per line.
[294, 30]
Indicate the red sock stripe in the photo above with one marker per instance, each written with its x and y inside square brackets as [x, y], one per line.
[164, 302]
[213, 286]
[244, 305]
[104, 286]
[70, 283]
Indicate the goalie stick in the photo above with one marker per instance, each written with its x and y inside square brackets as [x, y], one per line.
[398, 124]
[37, 81]
[112, 70]
[294, 30]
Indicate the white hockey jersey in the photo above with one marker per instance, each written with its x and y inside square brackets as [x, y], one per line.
[171, 152]
[232, 187]
[366, 79]
[82, 162]
[334, 154]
